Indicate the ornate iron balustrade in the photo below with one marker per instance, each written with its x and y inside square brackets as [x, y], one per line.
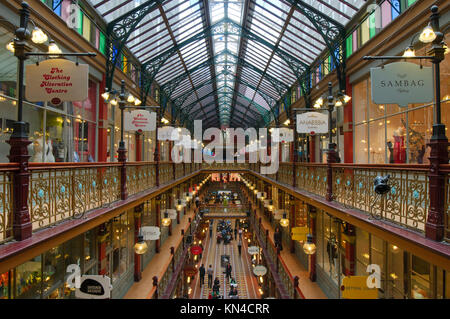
[6, 201]
[140, 176]
[57, 192]
[407, 202]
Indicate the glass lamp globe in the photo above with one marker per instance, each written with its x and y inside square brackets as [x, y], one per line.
[10, 46]
[427, 35]
[141, 246]
[309, 247]
[284, 222]
[409, 52]
[53, 47]
[38, 36]
[166, 220]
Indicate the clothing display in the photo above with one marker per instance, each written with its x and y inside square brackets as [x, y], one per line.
[399, 146]
[39, 148]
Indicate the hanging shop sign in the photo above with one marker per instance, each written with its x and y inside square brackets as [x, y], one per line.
[196, 250]
[282, 135]
[253, 250]
[261, 194]
[401, 83]
[278, 213]
[299, 233]
[172, 213]
[355, 287]
[312, 123]
[260, 270]
[56, 81]
[139, 120]
[94, 287]
[150, 232]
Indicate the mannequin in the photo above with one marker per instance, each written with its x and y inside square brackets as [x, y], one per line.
[399, 145]
[391, 152]
[38, 145]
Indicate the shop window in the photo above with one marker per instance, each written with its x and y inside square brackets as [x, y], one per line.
[28, 279]
[5, 284]
[395, 273]
[420, 278]
[362, 252]
[120, 246]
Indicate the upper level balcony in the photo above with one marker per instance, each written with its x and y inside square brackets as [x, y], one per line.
[61, 191]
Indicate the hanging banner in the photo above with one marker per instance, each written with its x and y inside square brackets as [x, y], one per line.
[139, 120]
[401, 83]
[56, 81]
[355, 287]
[312, 123]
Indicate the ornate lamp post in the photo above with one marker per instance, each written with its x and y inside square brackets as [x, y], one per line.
[19, 139]
[339, 100]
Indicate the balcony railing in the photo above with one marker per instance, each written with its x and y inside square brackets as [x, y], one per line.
[63, 190]
[59, 191]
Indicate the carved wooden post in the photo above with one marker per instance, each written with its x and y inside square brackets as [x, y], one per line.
[172, 253]
[155, 284]
[296, 280]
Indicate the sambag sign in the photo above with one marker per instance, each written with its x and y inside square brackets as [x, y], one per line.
[401, 83]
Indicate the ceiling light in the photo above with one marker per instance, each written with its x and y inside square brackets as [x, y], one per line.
[113, 102]
[141, 246]
[137, 102]
[309, 247]
[166, 220]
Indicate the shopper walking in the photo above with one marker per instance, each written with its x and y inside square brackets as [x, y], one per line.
[228, 270]
[210, 273]
[202, 274]
[235, 232]
[239, 246]
[210, 228]
[240, 233]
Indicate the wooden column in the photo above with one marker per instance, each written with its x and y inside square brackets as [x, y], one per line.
[158, 220]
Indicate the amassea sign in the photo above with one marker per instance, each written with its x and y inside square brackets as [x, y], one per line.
[401, 83]
[56, 81]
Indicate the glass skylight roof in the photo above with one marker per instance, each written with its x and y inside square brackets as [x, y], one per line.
[230, 73]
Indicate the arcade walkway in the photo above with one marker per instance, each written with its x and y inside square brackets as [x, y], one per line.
[241, 268]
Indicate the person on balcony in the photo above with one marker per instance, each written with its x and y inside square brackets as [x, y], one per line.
[277, 238]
